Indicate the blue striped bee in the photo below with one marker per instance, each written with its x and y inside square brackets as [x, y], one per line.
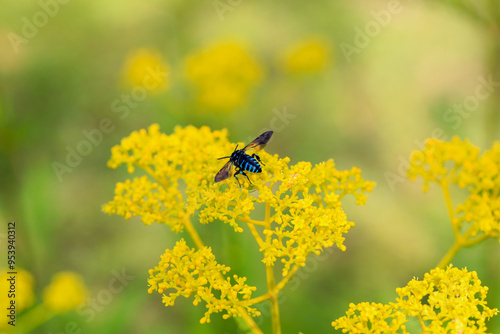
[244, 162]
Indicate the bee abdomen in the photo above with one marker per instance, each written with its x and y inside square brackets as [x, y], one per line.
[248, 163]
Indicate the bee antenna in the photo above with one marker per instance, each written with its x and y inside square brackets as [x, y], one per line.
[228, 156]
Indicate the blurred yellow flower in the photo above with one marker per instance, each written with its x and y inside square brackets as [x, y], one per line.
[307, 56]
[196, 273]
[66, 292]
[22, 293]
[223, 76]
[482, 207]
[440, 161]
[146, 68]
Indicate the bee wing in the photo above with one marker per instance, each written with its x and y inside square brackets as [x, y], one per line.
[224, 173]
[259, 142]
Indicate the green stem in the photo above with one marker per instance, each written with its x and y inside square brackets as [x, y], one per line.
[422, 323]
[250, 221]
[192, 233]
[244, 321]
[260, 299]
[34, 318]
[472, 242]
[446, 260]
[449, 205]
[256, 235]
[286, 279]
[275, 311]
[277, 288]
[273, 294]
[460, 242]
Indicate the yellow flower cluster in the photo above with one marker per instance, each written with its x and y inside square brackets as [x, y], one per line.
[482, 207]
[303, 209]
[66, 292]
[146, 68]
[303, 212]
[179, 165]
[223, 75]
[307, 56]
[372, 318]
[197, 273]
[442, 161]
[446, 301]
[459, 162]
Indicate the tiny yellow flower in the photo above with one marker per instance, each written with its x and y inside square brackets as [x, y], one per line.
[146, 68]
[183, 271]
[66, 292]
[22, 292]
[223, 76]
[307, 56]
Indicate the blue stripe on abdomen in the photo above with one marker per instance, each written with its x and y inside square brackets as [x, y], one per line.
[254, 164]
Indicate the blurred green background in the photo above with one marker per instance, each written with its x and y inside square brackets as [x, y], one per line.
[389, 76]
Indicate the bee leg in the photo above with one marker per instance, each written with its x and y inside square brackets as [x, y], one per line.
[239, 184]
[247, 177]
[258, 158]
[239, 171]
